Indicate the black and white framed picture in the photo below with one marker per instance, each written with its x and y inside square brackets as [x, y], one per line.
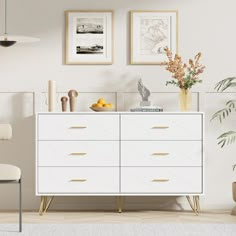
[89, 37]
[151, 32]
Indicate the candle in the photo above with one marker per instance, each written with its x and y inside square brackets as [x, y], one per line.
[51, 95]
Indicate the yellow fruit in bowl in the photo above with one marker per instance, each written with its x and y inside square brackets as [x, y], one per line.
[99, 105]
[101, 100]
[106, 105]
[94, 105]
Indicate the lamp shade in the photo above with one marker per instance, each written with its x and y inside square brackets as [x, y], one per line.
[6, 43]
[9, 40]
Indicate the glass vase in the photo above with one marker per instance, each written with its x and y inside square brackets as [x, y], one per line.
[185, 100]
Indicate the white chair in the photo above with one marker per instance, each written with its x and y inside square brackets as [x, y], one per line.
[9, 173]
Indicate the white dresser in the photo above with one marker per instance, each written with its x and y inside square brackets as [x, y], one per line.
[119, 154]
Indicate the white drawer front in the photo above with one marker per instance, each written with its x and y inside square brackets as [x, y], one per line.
[78, 180]
[78, 127]
[161, 127]
[78, 153]
[161, 153]
[161, 180]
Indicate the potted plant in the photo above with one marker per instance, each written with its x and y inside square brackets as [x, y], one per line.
[228, 137]
[184, 75]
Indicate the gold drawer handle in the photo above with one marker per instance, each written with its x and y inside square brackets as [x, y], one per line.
[160, 127]
[160, 180]
[78, 180]
[161, 154]
[78, 154]
[78, 127]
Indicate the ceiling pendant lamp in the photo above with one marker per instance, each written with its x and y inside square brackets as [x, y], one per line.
[9, 40]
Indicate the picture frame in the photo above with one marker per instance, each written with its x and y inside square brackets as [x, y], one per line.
[89, 37]
[150, 33]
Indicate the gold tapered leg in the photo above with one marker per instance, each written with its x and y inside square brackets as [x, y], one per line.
[48, 204]
[194, 204]
[190, 202]
[45, 204]
[119, 201]
[198, 203]
[41, 206]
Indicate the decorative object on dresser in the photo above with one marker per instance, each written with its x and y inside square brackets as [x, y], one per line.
[64, 103]
[89, 37]
[228, 137]
[102, 105]
[151, 32]
[144, 93]
[51, 95]
[84, 164]
[184, 76]
[7, 40]
[73, 94]
[145, 105]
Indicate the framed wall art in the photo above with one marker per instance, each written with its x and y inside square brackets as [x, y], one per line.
[89, 37]
[151, 32]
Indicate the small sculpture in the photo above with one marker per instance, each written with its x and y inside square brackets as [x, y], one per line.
[64, 103]
[73, 94]
[144, 93]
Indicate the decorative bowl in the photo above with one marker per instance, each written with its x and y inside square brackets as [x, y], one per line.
[101, 109]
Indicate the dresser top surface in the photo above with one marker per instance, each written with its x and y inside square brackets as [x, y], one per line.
[119, 112]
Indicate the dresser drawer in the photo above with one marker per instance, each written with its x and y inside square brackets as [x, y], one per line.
[161, 127]
[161, 180]
[161, 153]
[78, 127]
[78, 180]
[78, 153]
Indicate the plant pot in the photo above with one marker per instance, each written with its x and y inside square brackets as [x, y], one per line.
[234, 197]
[185, 100]
[234, 190]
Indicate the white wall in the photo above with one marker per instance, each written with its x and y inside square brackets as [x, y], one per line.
[204, 25]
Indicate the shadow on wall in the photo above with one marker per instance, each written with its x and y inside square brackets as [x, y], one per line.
[110, 203]
[17, 109]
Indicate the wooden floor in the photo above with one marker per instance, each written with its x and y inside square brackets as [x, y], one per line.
[125, 217]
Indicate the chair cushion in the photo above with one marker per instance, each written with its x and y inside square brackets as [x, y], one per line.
[9, 172]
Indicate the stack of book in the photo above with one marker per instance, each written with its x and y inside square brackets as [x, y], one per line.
[147, 109]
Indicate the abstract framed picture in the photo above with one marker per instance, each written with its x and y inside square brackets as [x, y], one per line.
[89, 37]
[151, 32]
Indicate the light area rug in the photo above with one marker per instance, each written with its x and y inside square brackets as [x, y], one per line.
[120, 230]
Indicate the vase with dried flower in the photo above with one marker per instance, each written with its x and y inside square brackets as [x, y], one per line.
[184, 76]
